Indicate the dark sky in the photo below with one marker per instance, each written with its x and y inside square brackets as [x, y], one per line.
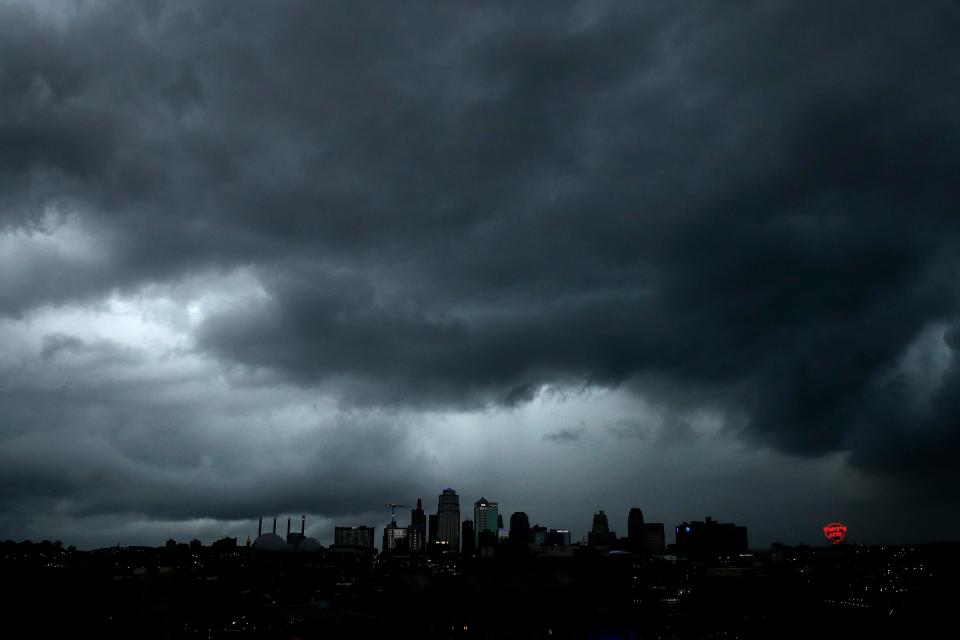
[311, 257]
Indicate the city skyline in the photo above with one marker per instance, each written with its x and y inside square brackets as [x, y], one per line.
[307, 258]
[616, 523]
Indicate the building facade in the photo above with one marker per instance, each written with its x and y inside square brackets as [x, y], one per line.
[485, 517]
[418, 528]
[361, 537]
[448, 519]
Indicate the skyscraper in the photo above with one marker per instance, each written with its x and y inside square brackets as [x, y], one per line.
[448, 519]
[433, 528]
[418, 528]
[467, 537]
[485, 517]
[600, 524]
[520, 528]
[635, 526]
[600, 534]
[395, 539]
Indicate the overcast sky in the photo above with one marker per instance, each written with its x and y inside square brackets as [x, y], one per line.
[283, 258]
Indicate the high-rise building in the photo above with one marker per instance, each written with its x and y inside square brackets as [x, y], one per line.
[635, 526]
[600, 524]
[448, 519]
[644, 536]
[395, 538]
[353, 537]
[539, 534]
[710, 537]
[653, 539]
[600, 534]
[467, 538]
[485, 517]
[418, 528]
[432, 528]
[520, 528]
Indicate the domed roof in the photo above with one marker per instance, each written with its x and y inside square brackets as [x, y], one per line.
[309, 544]
[269, 542]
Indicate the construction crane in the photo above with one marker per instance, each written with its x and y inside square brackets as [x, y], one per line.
[393, 510]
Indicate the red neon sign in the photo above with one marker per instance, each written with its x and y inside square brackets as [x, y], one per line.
[836, 532]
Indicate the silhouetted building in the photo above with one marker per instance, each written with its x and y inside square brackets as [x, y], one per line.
[499, 519]
[395, 539]
[557, 538]
[600, 524]
[600, 534]
[225, 544]
[294, 538]
[487, 541]
[485, 517]
[653, 539]
[467, 539]
[644, 536]
[415, 540]
[520, 528]
[418, 528]
[448, 519]
[268, 541]
[710, 537]
[361, 537]
[635, 526]
[539, 534]
[432, 528]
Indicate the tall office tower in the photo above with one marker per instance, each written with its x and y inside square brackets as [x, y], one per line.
[520, 528]
[539, 534]
[415, 541]
[432, 530]
[418, 528]
[600, 524]
[467, 536]
[600, 534]
[395, 539]
[448, 519]
[635, 532]
[485, 517]
[499, 521]
[653, 541]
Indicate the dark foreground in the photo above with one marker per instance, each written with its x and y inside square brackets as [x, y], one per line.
[211, 592]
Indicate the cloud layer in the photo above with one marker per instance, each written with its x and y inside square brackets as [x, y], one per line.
[214, 217]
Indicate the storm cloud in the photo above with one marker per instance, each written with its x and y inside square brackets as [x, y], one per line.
[348, 224]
